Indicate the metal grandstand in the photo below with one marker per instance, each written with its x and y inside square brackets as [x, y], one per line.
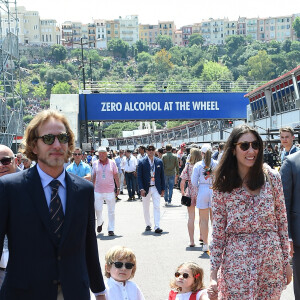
[11, 110]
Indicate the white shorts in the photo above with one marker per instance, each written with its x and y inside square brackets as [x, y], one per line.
[204, 196]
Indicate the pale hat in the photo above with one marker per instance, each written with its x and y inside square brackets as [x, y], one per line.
[205, 147]
[102, 149]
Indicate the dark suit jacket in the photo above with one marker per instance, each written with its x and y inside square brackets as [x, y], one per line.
[290, 176]
[144, 174]
[36, 263]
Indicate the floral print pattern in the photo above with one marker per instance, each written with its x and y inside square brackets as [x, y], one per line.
[250, 247]
[191, 191]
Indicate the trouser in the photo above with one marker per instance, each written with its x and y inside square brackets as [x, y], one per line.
[111, 203]
[135, 186]
[129, 182]
[121, 180]
[296, 272]
[156, 207]
[169, 185]
[60, 295]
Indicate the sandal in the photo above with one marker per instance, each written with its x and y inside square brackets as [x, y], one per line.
[192, 245]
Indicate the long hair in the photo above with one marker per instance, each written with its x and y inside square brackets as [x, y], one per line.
[197, 273]
[227, 177]
[207, 158]
[31, 132]
[195, 156]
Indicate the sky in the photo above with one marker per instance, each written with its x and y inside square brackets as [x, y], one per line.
[150, 12]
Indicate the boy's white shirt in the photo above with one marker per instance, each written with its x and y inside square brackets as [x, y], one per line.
[117, 290]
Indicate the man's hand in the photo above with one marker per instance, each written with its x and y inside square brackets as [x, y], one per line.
[143, 193]
[162, 193]
[100, 297]
[117, 192]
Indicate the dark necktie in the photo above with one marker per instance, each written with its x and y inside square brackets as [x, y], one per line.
[56, 210]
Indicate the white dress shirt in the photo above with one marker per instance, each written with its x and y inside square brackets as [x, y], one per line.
[130, 164]
[116, 290]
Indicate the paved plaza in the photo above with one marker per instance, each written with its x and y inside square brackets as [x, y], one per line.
[157, 255]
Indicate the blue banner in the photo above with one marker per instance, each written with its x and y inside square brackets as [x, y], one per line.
[163, 106]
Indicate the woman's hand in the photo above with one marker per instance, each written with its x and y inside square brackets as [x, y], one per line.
[212, 290]
[289, 274]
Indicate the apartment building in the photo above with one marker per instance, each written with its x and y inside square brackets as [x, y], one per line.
[178, 38]
[206, 31]
[112, 29]
[101, 42]
[196, 28]
[251, 27]
[187, 31]
[50, 34]
[92, 35]
[230, 28]
[217, 31]
[129, 29]
[241, 26]
[167, 28]
[148, 33]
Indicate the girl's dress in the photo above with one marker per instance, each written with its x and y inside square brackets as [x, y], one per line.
[250, 246]
[186, 296]
[191, 191]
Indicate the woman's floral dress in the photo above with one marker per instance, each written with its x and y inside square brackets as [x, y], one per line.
[250, 245]
[191, 191]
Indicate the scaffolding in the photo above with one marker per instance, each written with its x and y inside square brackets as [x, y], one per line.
[11, 104]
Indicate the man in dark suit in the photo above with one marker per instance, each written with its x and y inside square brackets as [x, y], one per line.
[49, 218]
[290, 176]
[151, 184]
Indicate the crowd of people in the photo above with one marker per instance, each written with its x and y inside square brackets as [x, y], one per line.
[51, 187]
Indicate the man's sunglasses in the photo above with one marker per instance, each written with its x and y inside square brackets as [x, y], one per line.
[151, 149]
[77, 154]
[5, 161]
[49, 139]
[246, 145]
[184, 275]
[119, 265]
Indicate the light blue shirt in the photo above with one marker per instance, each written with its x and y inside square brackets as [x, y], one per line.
[118, 161]
[81, 170]
[62, 190]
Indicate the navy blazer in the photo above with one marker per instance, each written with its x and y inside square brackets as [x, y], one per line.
[36, 263]
[144, 175]
[290, 177]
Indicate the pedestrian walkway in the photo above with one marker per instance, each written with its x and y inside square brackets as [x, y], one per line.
[158, 255]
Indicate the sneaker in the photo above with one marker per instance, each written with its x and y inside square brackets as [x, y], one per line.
[158, 230]
[99, 228]
[121, 193]
[166, 203]
[205, 248]
[148, 228]
[129, 199]
[111, 233]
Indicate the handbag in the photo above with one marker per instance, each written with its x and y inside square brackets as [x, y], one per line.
[186, 200]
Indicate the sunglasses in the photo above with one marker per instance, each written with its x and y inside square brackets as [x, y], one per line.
[151, 149]
[119, 265]
[6, 161]
[77, 154]
[184, 275]
[49, 139]
[246, 145]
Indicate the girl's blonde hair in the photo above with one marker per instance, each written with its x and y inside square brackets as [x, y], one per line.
[197, 273]
[117, 253]
[195, 156]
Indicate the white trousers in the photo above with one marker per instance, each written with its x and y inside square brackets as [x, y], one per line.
[121, 180]
[110, 199]
[156, 207]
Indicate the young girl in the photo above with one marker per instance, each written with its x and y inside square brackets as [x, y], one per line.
[120, 266]
[188, 283]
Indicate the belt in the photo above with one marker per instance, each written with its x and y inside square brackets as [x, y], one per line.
[152, 185]
[129, 172]
[2, 269]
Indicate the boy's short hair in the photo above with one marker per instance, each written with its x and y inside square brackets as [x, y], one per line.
[287, 129]
[117, 253]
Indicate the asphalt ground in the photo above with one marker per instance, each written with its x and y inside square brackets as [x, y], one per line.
[157, 255]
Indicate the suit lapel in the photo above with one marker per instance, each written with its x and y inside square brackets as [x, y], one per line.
[39, 200]
[71, 198]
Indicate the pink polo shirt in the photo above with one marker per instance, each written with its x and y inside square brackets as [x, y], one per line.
[104, 176]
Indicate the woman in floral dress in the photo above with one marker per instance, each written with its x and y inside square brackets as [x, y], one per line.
[250, 248]
[190, 191]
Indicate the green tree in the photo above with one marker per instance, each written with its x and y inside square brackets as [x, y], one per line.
[118, 47]
[107, 63]
[165, 42]
[286, 46]
[45, 104]
[173, 86]
[128, 88]
[58, 53]
[195, 86]
[163, 61]
[24, 62]
[213, 71]
[61, 88]
[56, 75]
[296, 26]
[40, 91]
[22, 89]
[261, 66]
[214, 87]
[142, 46]
[196, 39]
[150, 88]
[144, 57]
[171, 124]
[27, 119]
